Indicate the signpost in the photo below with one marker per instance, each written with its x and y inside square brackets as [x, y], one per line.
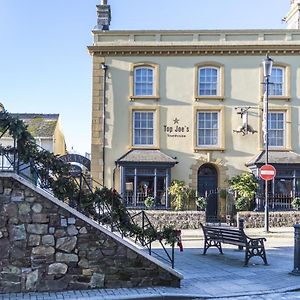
[267, 172]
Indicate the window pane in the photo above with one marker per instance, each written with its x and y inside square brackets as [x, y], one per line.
[143, 130]
[276, 88]
[143, 81]
[276, 132]
[208, 81]
[208, 128]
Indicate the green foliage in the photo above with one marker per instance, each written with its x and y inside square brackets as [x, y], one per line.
[55, 174]
[245, 185]
[149, 202]
[201, 202]
[182, 196]
[296, 203]
[243, 204]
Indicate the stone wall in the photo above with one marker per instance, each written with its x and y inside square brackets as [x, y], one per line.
[47, 246]
[276, 219]
[177, 219]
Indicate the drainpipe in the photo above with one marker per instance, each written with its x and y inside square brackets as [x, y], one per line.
[104, 68]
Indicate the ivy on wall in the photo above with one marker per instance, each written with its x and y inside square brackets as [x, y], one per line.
[55, 174]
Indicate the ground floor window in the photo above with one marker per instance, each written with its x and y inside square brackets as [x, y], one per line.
[139, 183]
[282, 189]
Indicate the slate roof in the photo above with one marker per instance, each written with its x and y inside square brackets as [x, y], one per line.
[39, 125]
[275, 157]
[146, 156]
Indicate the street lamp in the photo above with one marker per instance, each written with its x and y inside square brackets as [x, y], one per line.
[267, 67]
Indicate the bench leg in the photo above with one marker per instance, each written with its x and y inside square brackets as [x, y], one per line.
[255, 251]
[211, 243]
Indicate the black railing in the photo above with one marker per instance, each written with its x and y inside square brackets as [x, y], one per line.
[143, 221]
[275, 201]
[102, 212]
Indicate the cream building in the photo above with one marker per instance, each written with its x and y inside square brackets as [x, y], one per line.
[174, 105]
[46, 130]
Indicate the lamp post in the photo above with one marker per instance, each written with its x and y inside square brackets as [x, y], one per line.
[267, 67]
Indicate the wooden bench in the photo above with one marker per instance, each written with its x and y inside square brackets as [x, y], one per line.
[214, 236]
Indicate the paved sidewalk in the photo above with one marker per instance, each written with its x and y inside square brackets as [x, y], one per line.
[213, 275]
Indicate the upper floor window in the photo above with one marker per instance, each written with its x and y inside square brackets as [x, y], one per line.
[143, 81]
[276, 129]
[276, 88]
[208, 81]
[279, 87]
[143, 128]
[208, 128]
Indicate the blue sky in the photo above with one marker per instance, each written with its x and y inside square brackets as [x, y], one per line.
[44, 63]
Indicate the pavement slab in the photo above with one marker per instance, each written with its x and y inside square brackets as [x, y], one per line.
[211, 276]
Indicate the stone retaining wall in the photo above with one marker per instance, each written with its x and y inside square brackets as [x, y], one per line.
[276, 219]
[46, 247]
[177, 219]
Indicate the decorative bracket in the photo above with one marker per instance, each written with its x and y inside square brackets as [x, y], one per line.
[245, 128]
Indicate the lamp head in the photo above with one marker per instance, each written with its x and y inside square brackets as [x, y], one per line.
[267, 66]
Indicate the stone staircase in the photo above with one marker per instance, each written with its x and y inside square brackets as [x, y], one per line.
[46, 245]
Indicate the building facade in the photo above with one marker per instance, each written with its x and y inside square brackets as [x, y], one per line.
[46, 130]
[188, 105]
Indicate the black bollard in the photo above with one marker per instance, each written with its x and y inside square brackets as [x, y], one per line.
[241, 226]
[296, 270]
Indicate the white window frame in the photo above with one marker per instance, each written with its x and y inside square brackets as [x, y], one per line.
[143, 128]
[209, 145]
[275, 82]
[210, 82]
[276, 129]
[144, 81]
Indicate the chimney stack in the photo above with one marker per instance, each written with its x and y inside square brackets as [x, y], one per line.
[292, 19]
[103, 16]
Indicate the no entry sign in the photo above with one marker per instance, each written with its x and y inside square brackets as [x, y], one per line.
[267, 172]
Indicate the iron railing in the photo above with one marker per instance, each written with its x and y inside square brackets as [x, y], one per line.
[276, 202]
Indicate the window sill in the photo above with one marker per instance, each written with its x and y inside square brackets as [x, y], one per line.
[272, 149]
[150, 147]
[196, 150]
[199, 98]
[133, 98]
[285, 98]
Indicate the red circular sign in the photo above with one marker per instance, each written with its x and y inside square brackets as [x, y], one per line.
[267, 172]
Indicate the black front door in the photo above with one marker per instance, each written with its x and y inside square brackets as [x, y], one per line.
[207, 187]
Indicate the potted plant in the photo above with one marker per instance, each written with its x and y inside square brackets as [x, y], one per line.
[149, 202]
[296, 203]
[201, 202]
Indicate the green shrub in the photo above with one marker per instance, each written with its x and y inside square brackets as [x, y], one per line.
[243, 203]
[201, 202]
[296, 203]
[182, 197]
[149, 202]
[245, 185]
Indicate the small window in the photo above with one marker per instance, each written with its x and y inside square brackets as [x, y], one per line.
[208, 81]
[208, 129]
[143, 128]
[143, 81]
[276, 129]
